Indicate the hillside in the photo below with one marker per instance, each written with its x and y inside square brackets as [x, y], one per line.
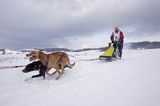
[130, 45]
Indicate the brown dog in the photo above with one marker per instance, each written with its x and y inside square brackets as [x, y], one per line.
[57, 60]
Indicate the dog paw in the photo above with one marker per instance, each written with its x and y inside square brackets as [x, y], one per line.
[57, 78]
[27, 79]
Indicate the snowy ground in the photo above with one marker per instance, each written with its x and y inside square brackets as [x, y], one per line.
[132, 81]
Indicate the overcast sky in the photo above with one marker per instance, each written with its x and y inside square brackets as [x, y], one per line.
[76, 23]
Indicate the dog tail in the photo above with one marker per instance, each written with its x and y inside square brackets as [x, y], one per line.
[70, 65]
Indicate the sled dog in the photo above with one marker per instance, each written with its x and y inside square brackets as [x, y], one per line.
[57, 60]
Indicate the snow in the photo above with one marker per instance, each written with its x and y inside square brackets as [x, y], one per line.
[132, 81]
[8, 51]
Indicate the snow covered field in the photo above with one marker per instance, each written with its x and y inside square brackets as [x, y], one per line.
[132, 81]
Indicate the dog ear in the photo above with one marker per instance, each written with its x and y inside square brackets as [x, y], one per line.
[41, 54]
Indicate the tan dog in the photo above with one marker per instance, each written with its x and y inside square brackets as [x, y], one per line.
[57, 60]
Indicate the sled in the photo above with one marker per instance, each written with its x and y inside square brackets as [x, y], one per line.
[109, 54]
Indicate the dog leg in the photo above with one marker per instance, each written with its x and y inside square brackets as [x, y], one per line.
[44, 76]
[54, 72]
[47, 72]
[42, 72]
[34, 76]
[50, 74]
[60, 72]
[39, 75]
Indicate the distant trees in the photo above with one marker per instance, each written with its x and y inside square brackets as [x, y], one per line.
[143, 45]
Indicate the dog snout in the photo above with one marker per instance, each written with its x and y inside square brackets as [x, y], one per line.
[24, 70]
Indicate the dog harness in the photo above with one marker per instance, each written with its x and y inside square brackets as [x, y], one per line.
[61, 57]
[59, 60]
[47, 60]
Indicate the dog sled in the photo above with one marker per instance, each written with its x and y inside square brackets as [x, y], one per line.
[110, 54]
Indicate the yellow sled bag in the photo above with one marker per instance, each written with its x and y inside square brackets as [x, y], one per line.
[108, 52]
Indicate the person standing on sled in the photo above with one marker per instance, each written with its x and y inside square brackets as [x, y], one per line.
[117, 39]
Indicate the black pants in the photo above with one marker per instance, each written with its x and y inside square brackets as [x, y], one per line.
[120, 48]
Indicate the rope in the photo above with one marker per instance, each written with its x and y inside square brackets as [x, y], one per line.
[89, 59]
[9, 67]
[80, 60]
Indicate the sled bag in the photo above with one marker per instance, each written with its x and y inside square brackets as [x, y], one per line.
[108, 52]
